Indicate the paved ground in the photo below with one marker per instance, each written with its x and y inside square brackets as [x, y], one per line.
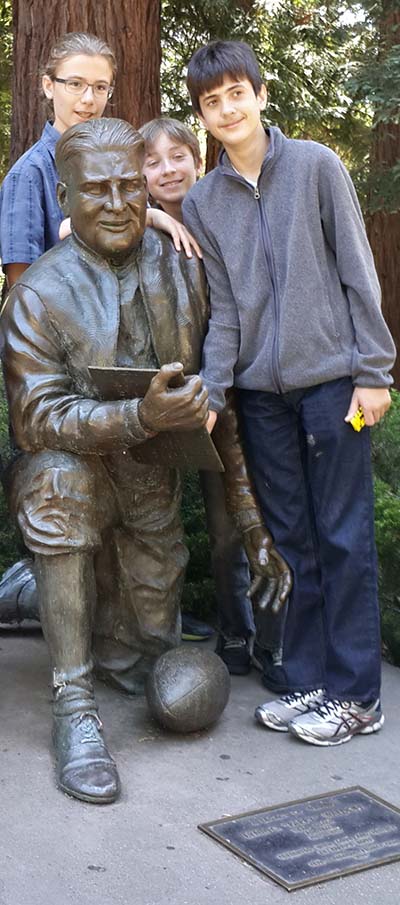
[146, 849]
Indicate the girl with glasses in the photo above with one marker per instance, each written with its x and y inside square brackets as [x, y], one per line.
[77, 82]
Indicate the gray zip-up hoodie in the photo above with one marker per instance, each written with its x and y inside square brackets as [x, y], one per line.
[295, 299]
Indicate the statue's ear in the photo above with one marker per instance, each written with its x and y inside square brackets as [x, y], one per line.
[62, 198]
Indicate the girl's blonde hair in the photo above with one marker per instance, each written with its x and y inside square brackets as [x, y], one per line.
[73, 43]
[76, 42]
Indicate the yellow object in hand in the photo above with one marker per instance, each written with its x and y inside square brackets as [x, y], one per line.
[357, 421]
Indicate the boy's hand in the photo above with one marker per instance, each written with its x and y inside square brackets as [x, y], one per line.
[181, 236]
[212, 417]
[374, 403]
[65, 228]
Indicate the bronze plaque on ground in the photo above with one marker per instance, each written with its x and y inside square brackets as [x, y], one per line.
[176, 449]
[304, 842]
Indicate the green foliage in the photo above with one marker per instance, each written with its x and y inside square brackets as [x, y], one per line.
[199, 592]
[386, 446]
[386, 458]
[387, 529]
[5, 74]
[186, 24]
[376, 78]
[10, 545]
[375, 85]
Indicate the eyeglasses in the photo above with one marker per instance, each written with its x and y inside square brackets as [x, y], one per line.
[101, 90]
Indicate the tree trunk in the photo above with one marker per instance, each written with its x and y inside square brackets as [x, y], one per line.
[212, 152]
[383, 225]
[384, 235]
[131, 27]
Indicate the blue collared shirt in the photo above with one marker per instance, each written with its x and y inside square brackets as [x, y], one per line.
[29, 213]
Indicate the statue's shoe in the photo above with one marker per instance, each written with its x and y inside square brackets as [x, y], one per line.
[131, 680]
[85, 769]
[18, 594]
[128, 681]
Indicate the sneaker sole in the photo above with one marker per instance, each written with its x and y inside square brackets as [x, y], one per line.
[333, 743]
[188, 637]
[262, 718]
[237, 670]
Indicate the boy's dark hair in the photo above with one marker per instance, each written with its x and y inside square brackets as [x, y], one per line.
[210, 64]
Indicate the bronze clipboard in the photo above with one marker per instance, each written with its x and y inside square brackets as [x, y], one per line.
[177, 449]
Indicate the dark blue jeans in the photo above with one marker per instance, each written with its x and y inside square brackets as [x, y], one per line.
[229, 562]
[313, 477]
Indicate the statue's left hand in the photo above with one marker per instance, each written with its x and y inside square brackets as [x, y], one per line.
[273, 581]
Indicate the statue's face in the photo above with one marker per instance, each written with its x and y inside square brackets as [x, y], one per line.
[107, 199]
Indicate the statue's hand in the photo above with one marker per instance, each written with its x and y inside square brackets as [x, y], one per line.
[273, 580]
[179, 407]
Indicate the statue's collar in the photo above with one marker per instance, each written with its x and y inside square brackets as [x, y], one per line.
[88, 254]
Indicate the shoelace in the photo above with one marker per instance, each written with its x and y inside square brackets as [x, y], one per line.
[333, 707]
[296, 697]
[91, 725]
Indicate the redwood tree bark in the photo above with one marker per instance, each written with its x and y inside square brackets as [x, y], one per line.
[131, 27]
[384, 225]
[384, 236]
[212, 152]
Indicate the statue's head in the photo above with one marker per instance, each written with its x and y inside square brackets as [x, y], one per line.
[102, 187]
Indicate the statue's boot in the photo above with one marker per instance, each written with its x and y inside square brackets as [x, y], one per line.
[66, 588]
[18, 594]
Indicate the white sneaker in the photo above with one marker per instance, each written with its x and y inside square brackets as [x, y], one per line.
[335, 722]
[278, 714]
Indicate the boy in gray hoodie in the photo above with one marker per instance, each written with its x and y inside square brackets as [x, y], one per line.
[296, 327]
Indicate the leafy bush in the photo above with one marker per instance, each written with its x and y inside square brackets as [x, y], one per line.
[199, 591]
[386, 458]
[386, 446]
[10, 545]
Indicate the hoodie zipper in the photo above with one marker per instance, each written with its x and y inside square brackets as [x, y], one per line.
[267, 246]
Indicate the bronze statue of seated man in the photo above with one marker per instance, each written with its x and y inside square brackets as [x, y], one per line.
[104, 528]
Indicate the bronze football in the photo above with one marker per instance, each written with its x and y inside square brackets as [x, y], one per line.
[187, 689]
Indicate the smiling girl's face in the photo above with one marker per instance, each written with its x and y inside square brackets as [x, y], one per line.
[70, 109]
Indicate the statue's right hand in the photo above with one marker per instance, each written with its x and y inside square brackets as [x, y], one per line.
[167, 407]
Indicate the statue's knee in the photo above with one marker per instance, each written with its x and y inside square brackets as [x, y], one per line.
[55, 503]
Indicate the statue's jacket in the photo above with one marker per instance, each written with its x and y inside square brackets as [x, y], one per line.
[63, 315]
